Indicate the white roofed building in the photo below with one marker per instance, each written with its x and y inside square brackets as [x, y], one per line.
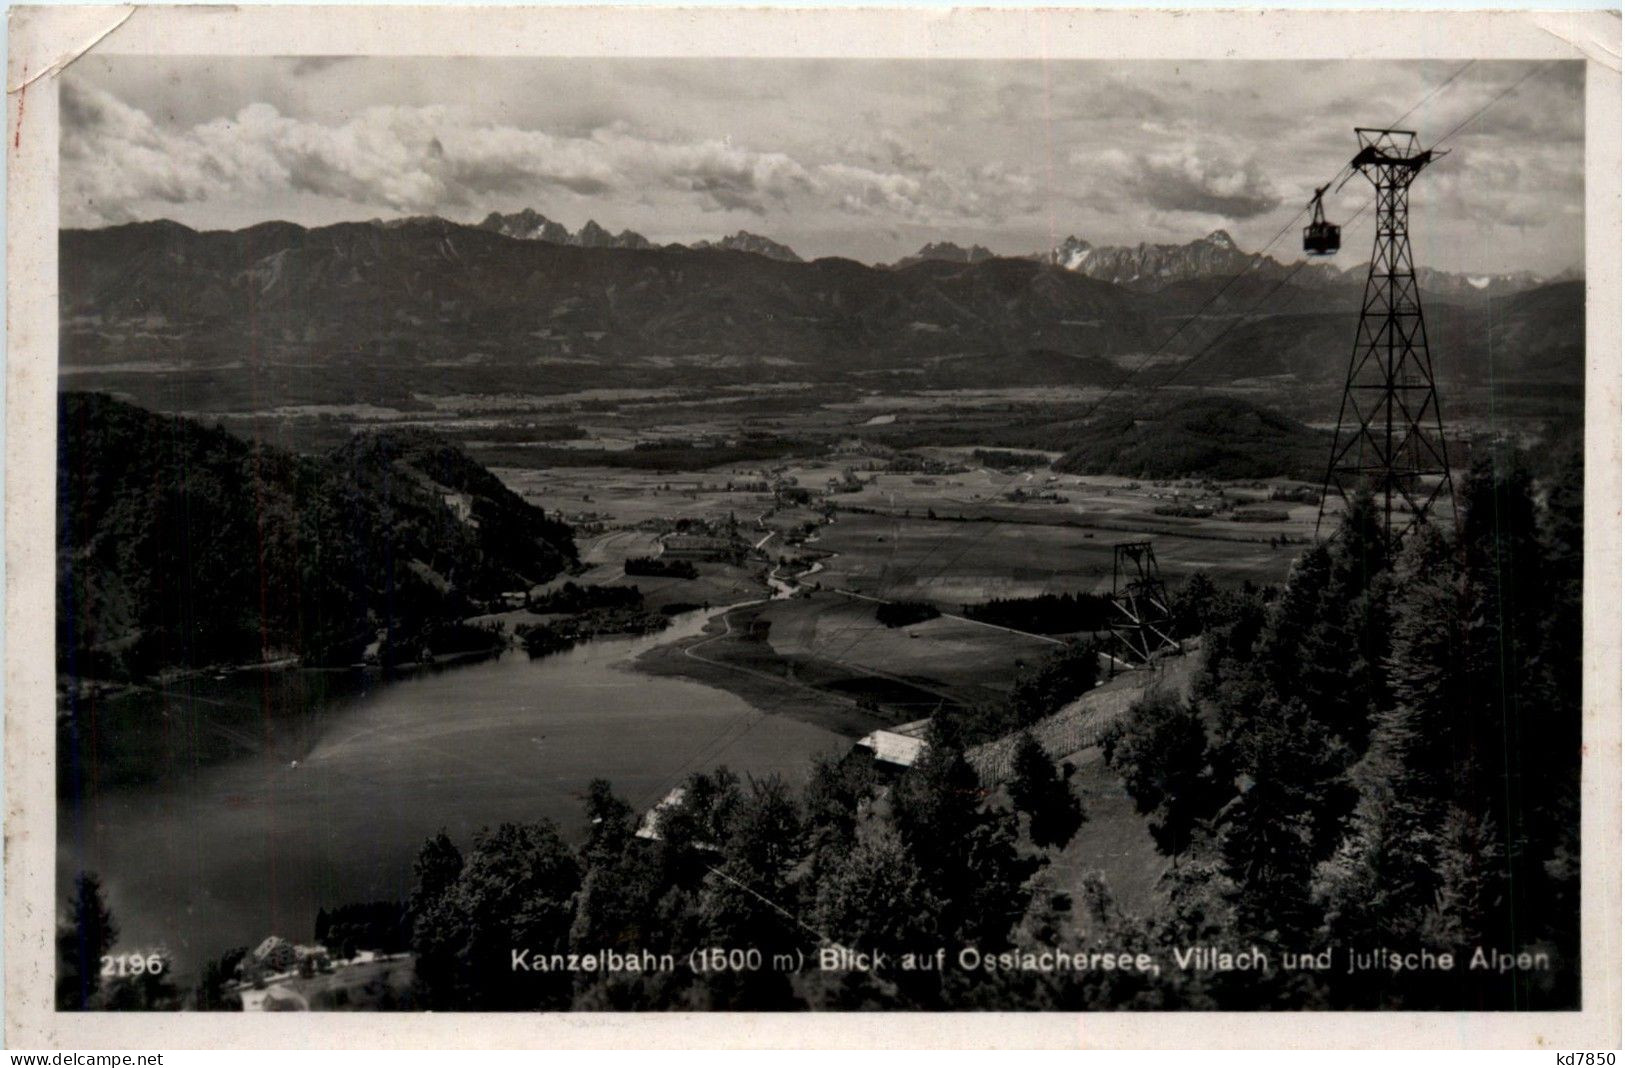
[896, 748]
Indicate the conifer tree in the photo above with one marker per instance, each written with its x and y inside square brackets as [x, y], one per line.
[1053, 811]
[1277, 827]
[965, 852]
[1161, 750]
[515, 890]
[83, 934]
[873, 900]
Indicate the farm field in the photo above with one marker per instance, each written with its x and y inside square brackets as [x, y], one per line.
[718, 584]
[824, 657]
[620, 499]
[952, 563]
[950, 532]
[944, 528]
[953, 658]
[951, 539]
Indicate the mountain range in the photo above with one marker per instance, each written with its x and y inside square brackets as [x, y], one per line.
[362, 313]
[530, 225]
[1143, 266]
[1148, 266]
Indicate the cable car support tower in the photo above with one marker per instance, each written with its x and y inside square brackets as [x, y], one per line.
[1390, 433]
[1143, 624]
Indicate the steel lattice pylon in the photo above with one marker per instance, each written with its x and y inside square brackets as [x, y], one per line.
[1390, 434]
[1142, 622]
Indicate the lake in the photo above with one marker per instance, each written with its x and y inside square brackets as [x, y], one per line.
[223, 854]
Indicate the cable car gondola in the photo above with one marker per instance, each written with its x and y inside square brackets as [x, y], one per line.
[1321, 238]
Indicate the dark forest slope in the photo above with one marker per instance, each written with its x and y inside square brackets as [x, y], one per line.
[1536, 336]
[182, 545]
[1213, 437]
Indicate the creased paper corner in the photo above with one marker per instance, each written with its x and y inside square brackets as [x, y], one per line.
[62, 61]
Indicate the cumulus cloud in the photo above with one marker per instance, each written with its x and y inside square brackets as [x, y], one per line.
[435, 159]
[1490, 186]
[861, 159]
[1199, 180]
[406, 159]
[987, 194]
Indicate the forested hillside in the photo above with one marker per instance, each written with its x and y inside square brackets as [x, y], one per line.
[1386, 756]
[181, 545]
[1217, 437]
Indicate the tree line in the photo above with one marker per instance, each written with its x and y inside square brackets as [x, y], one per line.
[1387, 754]
[934, 859]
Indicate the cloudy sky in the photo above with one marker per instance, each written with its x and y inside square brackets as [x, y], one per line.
[867, 159]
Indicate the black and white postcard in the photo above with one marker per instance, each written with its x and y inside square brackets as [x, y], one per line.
[617, 514]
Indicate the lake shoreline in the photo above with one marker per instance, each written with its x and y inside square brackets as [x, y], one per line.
[224, 853]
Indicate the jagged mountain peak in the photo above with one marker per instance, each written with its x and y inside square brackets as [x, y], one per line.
[591, 235]
[1072, 253]
[524, 216]
[745, 241]
[948, 252]
[1147, 266]
[528, 224]
[1151, 265]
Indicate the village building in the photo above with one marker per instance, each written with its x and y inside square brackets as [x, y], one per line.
[277, 955]
[895, 749]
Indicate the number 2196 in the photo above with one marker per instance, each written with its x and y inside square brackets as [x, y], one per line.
[123, 964]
